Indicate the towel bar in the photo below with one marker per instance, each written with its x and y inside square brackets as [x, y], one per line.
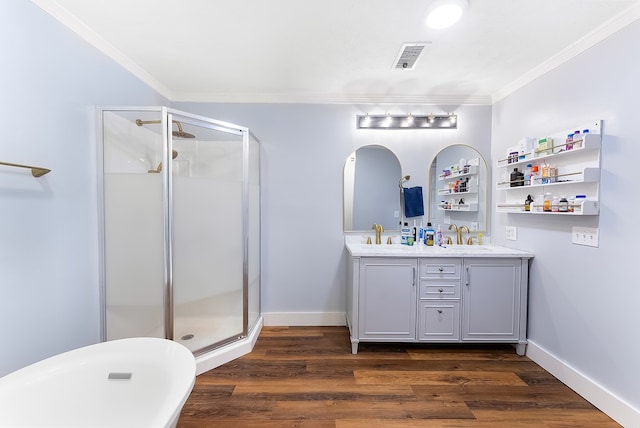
[36, 171]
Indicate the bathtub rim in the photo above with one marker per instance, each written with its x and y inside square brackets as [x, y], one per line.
[159, 349]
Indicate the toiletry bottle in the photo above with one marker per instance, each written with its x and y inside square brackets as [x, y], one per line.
[535, 173]
[438, 241]
[584, 136]
[538, 203]
[577, 137]
[527, 175]
[546, 204]
[414, 230]
[527, 203]
[464, 185]
[545, 173]
[405, 233]
[563, 205]
[517, 178]
[429, 235]
[578, 202]
[421, 234]
[569, 142]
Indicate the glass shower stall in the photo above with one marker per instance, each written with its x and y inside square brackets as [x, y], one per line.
[180, 197]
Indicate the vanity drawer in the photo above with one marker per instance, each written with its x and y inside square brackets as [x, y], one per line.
[440, 268]
[440, 289]
[439, 321]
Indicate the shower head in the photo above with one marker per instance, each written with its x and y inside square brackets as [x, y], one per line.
[179, 133]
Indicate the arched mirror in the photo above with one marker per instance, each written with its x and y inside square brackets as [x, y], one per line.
[458, 188]
[371, 192]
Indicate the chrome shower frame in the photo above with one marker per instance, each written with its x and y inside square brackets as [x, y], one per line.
[167, 119]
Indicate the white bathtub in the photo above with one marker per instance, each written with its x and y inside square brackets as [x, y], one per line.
[139, 382]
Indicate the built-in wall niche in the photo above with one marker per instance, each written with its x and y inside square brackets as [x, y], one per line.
[458, 178]
[370, 189]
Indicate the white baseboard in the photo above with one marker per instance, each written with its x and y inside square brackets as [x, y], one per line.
[613, 406]
[304, 318]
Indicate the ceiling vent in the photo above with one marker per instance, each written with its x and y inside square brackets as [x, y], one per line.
[408, 55]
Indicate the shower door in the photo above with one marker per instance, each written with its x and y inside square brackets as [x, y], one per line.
[207, 233]
[181, 248]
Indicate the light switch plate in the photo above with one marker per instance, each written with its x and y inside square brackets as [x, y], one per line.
[511, 233]
[585, 236]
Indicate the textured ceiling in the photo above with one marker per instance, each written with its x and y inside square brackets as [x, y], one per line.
[338, 50]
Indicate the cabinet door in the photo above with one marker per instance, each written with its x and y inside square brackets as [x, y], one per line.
[491, 299]
[439, 321]
[387, 307]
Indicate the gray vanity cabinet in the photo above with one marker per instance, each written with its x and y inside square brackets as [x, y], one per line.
[438, 299]
[387, 299]
[494, 307]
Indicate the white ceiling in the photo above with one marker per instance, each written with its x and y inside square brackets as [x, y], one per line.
[334, 51]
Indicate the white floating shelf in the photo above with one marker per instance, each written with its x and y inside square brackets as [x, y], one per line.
[458, 207]
[472, 170]
[584, 208]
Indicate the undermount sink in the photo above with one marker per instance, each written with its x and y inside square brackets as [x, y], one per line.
[468, 248]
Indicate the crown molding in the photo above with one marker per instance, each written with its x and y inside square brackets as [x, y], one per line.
[600, 33]
[317, 98]
[67, 19]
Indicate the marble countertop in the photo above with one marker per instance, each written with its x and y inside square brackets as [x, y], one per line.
[357, 248]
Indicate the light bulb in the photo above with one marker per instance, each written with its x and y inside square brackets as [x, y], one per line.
[446, 14]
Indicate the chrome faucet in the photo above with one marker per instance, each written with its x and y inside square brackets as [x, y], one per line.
[379, 229]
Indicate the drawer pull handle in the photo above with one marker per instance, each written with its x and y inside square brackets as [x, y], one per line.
[440, 290]
[439, 311]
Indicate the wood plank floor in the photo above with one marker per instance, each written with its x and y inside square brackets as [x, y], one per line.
[307, 377]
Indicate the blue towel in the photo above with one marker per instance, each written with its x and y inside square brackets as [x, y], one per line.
[413, 204]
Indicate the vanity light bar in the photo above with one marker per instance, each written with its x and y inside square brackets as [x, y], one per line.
[407, 121]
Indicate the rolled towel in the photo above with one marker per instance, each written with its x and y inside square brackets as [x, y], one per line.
[413, 204]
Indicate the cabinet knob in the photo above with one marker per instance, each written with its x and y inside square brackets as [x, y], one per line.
[440, 290]
[439, 311]
[440, 269]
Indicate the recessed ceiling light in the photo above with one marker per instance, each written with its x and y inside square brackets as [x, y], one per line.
[445, 13]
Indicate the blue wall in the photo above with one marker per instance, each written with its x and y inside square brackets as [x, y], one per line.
[583, 315]
[51, 80]
[303, 152]
[583, 308]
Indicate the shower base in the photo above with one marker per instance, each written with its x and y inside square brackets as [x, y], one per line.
[197, 323]
[205, 330]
